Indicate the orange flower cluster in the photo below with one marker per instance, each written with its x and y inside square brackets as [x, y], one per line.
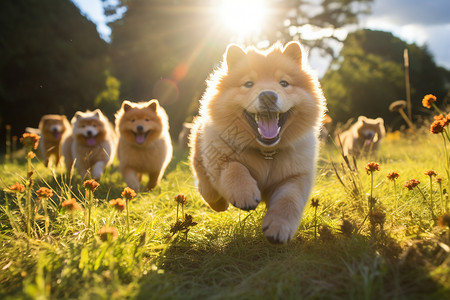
[108, 233]
[70, 205]
[44, 192]
[439, 123]
[118, 204]
[91, 184]
[181, 199]
[17, 187]
[412, 183]
[30, 140]
[128, 193]
[392, 175]
[428, 100]
[372, 167]
[31, 155]
[430, 173]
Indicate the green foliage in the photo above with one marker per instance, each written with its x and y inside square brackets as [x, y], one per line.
[369, 76]
[53, 61]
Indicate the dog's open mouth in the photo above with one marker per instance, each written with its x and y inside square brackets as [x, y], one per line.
[140, 136]
[90, 140]
[267, 126]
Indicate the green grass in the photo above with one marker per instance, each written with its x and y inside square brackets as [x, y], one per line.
[225, 255]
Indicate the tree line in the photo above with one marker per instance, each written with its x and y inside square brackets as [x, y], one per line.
[52, 59]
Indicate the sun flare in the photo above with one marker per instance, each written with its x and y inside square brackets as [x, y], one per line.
[243, 17]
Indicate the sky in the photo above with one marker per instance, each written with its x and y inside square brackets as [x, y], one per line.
[424, 22]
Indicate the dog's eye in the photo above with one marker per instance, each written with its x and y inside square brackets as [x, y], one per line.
[95, 125]
[284, 83]
[249, 84]
[132, 120]
[147, 119]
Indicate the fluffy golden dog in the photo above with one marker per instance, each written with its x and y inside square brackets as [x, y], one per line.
[52, 128]
[256, 138]
[144, 142]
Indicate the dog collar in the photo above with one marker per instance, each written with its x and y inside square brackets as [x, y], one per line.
[268, 154]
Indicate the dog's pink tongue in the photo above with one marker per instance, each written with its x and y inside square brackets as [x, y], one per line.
[268, 127]
[140, 138]
[90, 141]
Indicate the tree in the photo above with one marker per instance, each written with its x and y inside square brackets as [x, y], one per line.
[52, 61]
[166, 49]
[369, 75]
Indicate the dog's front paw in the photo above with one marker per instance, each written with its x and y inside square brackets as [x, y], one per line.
[247, 199]
[278, 230]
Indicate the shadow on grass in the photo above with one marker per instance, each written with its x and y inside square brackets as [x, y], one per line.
[251, 268]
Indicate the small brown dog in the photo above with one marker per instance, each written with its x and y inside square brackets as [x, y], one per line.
[52, 128]
[145, 146]
[363, 137]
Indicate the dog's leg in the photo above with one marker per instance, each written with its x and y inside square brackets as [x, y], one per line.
[131, 178]
[285, 208]
[98, 169]
[238, 186]
[153, 180]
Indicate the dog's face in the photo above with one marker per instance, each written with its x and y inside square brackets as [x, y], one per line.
[139, 123]
[53, 126]
[89, 128]
[370, 130]
[268, 93]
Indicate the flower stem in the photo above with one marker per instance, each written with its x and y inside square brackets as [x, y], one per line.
[128, 222]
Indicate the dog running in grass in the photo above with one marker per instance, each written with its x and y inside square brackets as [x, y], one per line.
[256, 136]
[92, 144]
[52, 128]
[145, 146]
[363, 137]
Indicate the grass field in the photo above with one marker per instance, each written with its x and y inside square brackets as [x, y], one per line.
[339, 252]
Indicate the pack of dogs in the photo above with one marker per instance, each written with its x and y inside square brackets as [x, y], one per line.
[255, 139]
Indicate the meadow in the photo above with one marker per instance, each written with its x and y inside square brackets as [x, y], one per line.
[364, 235]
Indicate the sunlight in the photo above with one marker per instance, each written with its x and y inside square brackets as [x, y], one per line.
[243, 17]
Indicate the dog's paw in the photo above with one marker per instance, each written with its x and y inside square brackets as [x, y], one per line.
[247, 199]
[278, 230]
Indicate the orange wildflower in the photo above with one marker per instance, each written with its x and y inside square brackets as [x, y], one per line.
[91, 184]
[180, 199]
[437, 127]
[108, 233]
[30, 140]
[31, 155]
[392, 175]
[372, 167]
[8, 127]
[44, 192]
[17, 187]
[430, 173]
[118, 204]
[70, 205]
[428, 100]
[128, 193]
[412, 183]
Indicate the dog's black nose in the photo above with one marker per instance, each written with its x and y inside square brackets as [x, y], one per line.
[140, 128]
[89, 133]
[268, 100]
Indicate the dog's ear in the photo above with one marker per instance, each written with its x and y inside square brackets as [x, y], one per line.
[126, 105]
[97, 113]
[294, 50]
[153, 105]
[233, 55]
[78, 115]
